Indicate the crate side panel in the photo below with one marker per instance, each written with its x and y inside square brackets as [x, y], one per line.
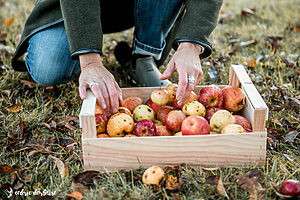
[212, 150]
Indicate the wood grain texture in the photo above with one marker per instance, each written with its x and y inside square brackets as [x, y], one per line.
[238, 150]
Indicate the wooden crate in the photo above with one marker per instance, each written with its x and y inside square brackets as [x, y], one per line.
[222, 150]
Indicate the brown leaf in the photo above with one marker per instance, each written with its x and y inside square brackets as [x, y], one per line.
[28, 83]
[10, 135]
[50, 125]
[252, 63]
[8, 169]
[76, 195]
[14, 108]
[287, 62]
[16, 182]
[18, 151]
[3, 38]
[62, 167]
[249, 182]
[87, 178]
[28, 178]
[294, 28]
[21, 129]
[297, 71]
[172, 183]
[8, 22]
[217, 181]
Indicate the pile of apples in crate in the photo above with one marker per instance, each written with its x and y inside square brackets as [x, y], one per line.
[212, 111]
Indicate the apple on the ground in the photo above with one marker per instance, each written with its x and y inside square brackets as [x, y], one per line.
[290, 187]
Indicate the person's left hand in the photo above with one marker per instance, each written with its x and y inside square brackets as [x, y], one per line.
[187, 63]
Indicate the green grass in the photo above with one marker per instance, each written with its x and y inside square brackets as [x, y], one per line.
[276, 82]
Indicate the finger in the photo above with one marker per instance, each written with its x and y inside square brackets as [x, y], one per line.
[119, 92]
[170, 69]
[113, 96]
[97, 92]
[105, 94]
[82, 90]
[182, 88]
[200, 75]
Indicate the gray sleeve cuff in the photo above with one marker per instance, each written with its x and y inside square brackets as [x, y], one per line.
[84, 51]
[207, 47]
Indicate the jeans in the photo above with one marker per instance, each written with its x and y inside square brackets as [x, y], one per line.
[49, 59]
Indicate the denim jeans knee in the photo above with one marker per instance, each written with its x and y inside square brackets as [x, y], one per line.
[49, 59]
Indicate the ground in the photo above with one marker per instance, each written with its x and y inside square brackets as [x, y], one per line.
[40, 135]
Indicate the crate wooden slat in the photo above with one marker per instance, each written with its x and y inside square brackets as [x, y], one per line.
[223, 150]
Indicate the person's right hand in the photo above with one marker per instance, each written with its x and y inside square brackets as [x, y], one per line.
[106, 89]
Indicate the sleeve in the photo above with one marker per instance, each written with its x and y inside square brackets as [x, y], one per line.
[199, 21]
[82, 20]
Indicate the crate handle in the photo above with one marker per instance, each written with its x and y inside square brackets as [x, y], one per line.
[238, 77]
[87, 116]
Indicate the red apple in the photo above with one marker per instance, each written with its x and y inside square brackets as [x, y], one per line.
[162, 131]
[131, 103]
[176, 105]
[233, 98]
[144, 128]
[210, 112]
[290, 187]
[102, 135]
[152, 105]
[192, 97]
[211, 96]
[98, 109]
[174, 120]
[162, 113]
[101, 122]
[160, 97]
[195, 125]
[240, 120]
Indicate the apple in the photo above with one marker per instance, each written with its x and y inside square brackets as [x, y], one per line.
[243, 122]
[195, 125]
[124, 110]
[143, 112]
[157, 122]
[130, 135]
[162, 113]
[160, 97]
[211, 96]
[144, 128]
[102, 135]
[174, 120]
[131, 102]
[171, 91]
[98, 109]
[178, 133]
[233, 128]
[233, 98]
[220, 119]
[194, 108]
[162, 131]
[119, 124]
[192, 97]
[101, 122]
[290, 187]
[176, 105]
[152, 105]
[210, 112]
[153, 175]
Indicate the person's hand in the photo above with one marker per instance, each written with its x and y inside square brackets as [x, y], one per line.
[101, 82]
[187, 63]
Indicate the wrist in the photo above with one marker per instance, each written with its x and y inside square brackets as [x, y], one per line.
[89, 59]
[189, 45]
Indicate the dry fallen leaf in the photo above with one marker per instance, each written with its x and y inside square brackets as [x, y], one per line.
[8, 169]
[252, 63]
[28, 83]
[8, 22]
[62, 167]
[217, 181]
[76, 195]
[172, 183]
[249, 182]
[14, 108]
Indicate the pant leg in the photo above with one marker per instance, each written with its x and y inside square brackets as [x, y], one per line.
[153, 22]
[49, 59]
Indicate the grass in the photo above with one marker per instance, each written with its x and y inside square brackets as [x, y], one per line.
[277, 82]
